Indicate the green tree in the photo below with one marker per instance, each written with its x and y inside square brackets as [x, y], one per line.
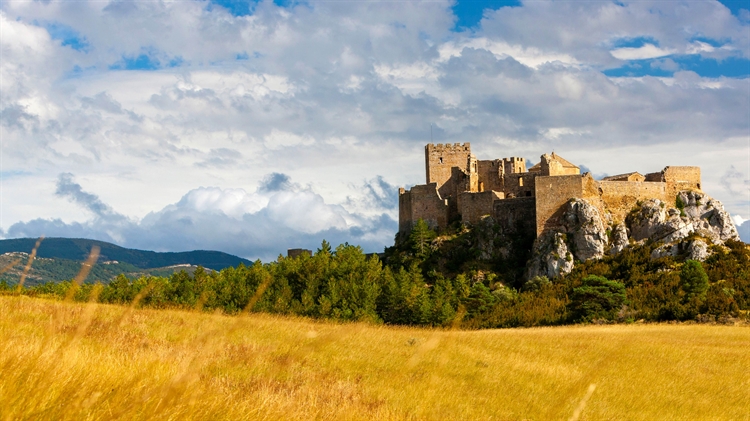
[421, 236]
[597, 298]
[693, 280]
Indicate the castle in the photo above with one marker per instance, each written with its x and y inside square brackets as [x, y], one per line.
[526, 201]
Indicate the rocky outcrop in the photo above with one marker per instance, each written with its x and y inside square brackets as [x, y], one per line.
[655, 221]
[699, 213]
[583, 235]
[586, 230]
[708, 217]
[619, 238]
[551, 257]
[695, 249]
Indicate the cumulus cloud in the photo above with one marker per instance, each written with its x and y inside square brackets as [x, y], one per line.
[168, 96]
[736, 182]
[262, 224]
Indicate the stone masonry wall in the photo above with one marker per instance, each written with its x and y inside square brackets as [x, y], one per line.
[682, 178]
[620, 197]
[424, 202]
[439, 159]
[489, 175]
[520, 185]
[552, 192]
[472, 206]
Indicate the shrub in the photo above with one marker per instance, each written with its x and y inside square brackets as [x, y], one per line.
[693, 280]
[597, 298]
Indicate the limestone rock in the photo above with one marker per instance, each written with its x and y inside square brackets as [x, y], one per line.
[695, 249]
[551, 257]
[619, 238]
[665, 250]
[658, 222]
[585, 227]
[708, 217]
[698, 250]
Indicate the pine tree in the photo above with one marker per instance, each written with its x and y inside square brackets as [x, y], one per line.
[421, 236]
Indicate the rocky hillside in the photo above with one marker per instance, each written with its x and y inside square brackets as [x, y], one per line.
[686, 228]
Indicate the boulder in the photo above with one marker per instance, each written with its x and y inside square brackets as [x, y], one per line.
[645, 221]
[656, 221]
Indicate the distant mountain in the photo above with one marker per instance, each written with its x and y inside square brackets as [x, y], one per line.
[78, 249]
[53, 269]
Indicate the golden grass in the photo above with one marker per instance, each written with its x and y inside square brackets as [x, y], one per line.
[62, 360]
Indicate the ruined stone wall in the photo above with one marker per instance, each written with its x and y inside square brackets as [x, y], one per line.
[633, 176]
[516, 216]
[654, 177]
[520, 185]
[424, 202]
[514, 165]
[473, 205]
[489, 175]
[552, 192]
[473, 183]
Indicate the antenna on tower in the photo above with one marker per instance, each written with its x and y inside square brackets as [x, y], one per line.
[430, 132]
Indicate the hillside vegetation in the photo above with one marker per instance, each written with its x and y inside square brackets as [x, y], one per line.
[63, 360]
[77, 249]
[456, 279]
[52, 270]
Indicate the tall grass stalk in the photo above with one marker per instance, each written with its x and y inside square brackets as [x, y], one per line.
[66, 360]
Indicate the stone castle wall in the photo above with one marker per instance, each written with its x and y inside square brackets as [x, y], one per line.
[682, 178]
[552, 192]
[620, 197]
[520, 185]
[422, 201]
[516, 216]
[441, 163]
[473, 206]
[489, 175]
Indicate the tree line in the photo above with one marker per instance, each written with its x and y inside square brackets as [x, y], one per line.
[417, 285]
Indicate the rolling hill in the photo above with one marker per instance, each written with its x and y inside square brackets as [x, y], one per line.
[60, 259]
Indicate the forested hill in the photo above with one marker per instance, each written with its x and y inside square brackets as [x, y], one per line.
[78, 249]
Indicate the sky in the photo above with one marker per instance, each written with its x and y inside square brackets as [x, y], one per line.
[255, 127]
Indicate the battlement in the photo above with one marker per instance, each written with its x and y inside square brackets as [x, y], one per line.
[455, 147]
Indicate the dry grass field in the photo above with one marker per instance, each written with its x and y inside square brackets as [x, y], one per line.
[61, 360]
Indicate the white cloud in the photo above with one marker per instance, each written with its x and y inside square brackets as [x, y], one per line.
[529, 56]
[335, 93]
[640, 53]
[262, 224]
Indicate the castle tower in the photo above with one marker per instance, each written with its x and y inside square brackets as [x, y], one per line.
[440, 159]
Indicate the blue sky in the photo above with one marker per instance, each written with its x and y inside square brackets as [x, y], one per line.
[175, 118]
